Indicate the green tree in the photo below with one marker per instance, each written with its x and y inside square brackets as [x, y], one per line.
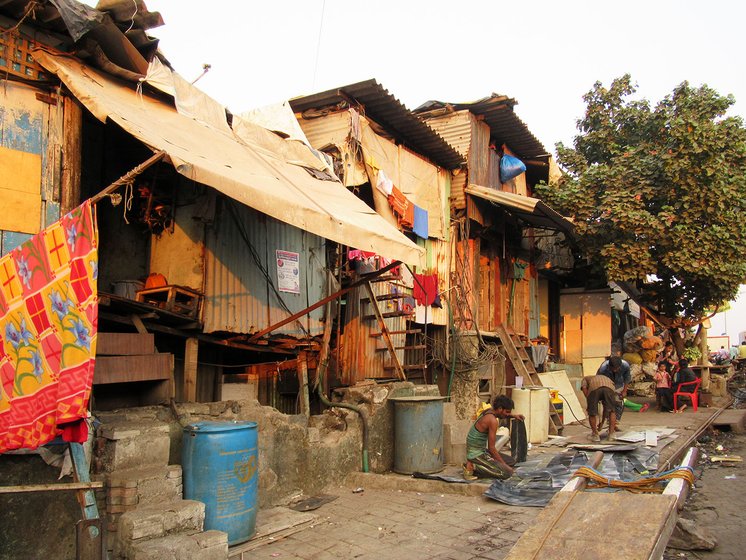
[659, 195]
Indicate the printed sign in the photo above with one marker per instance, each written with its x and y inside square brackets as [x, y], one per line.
[288, 272]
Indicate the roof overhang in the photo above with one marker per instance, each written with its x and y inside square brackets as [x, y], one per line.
[256, 177]
[525, 208]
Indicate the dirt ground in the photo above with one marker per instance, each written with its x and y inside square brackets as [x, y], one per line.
[717, 503]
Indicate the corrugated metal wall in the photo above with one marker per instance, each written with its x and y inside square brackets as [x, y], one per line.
[32, 126]
[456, 129]
[238, 296]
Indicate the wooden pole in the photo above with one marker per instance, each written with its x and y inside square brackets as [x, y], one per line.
[129, 176]
[72, 125]
[191, 350]
[305, 404]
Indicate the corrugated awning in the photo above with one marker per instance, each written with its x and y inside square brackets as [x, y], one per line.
[531, 210]
[252, 175]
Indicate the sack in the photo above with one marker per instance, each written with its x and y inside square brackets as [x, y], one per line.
[510, 167]
[632, 358]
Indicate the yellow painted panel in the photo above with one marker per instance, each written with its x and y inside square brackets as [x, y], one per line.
[20, 171]
[20, 191]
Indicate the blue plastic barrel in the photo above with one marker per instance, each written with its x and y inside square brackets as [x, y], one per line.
[220, 465]
[418, 434]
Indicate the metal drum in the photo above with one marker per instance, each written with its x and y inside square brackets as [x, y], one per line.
[220, 464]
[418, 434]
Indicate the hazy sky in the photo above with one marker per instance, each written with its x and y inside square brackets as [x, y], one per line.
[545, 54]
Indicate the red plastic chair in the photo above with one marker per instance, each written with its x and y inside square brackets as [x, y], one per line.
[694, 395]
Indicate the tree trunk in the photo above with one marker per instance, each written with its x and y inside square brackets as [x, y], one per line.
[677, 340]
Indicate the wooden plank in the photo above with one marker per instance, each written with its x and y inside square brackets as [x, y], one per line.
[61, 487]
[190, 369]
[570, 526]
[124, 344]
[125, 369]
[81, 473]
[273, 524]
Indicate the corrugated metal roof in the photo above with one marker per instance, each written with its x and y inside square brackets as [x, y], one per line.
[505, 126]
[386, 110]
[531, 210]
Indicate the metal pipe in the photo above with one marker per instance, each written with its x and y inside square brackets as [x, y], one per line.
[321, 372]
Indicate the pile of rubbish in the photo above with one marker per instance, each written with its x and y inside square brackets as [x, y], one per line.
[641, 349]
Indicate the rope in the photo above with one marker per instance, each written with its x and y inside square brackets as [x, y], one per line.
[645, 484]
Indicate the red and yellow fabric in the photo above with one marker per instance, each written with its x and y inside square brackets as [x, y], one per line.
[48, 325]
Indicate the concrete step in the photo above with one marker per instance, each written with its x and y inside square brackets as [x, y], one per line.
[158, 520]
[209, 545]
[126, 445]
[150, 484]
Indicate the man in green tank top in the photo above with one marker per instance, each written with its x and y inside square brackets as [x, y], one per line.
[482, 457]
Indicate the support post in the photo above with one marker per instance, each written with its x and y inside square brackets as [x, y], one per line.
[72, 125]
[305, 404]
[190, 369]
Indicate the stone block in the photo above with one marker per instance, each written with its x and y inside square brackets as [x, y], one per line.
[181, 547]
[159, 520]
[137, 445]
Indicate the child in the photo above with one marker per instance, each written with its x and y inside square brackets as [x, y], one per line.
[663, 393]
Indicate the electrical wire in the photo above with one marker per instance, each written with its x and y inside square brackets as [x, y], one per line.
[260, 265]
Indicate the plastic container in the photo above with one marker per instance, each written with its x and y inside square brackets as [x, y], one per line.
[220, 468]
[418, 434]
[533, 403]
[558, 406]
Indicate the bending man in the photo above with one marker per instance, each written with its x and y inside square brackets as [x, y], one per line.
[482, 457]
[600, 389]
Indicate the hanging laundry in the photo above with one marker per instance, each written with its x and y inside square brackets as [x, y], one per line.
[425, 288]
[407, 220]
[48, 321]
[358, 255]
[423, 315]
[398, 202]
[384, 184]
[420, 223]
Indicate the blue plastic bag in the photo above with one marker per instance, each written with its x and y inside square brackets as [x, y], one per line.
[510, 167]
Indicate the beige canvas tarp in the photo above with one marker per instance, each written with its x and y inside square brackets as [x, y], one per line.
[249, 174]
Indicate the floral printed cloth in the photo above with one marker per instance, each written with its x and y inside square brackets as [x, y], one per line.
[48, 320]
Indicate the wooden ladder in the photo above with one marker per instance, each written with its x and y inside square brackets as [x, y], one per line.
[515, 347]
[414, 338]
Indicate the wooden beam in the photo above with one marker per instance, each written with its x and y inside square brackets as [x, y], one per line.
[191, 351]
[61, 487]
[157, 327]
[331, 297]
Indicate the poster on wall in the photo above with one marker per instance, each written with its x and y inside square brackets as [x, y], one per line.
[288, 272]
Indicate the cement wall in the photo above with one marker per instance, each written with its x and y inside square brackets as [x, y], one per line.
[297, 456]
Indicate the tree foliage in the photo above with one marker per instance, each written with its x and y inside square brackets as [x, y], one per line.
[659, 194]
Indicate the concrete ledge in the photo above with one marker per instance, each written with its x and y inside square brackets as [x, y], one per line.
[733, 418]
[391, 481]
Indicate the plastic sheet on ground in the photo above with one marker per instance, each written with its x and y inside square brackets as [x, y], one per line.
[535, 482]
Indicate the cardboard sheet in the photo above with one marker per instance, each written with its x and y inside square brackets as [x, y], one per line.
[573, 411]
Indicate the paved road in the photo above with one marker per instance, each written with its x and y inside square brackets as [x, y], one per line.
[389, 524]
